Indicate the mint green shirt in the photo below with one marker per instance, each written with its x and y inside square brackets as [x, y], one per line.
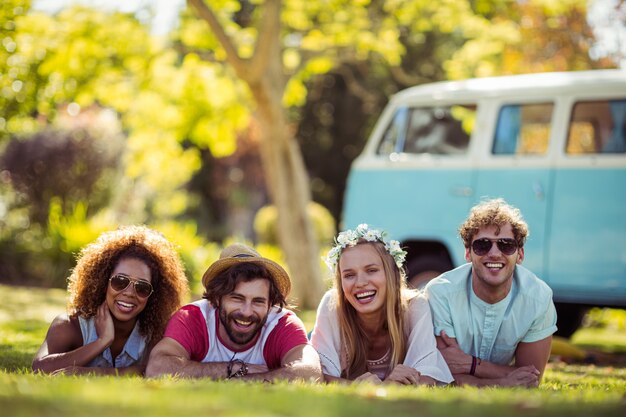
[491, 331]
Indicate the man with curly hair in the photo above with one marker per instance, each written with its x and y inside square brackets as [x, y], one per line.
[493, 318]
[124, 288]
[240, 329]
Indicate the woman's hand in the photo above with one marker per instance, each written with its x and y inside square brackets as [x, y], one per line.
[104, 325]
[368, 377]
[404, 375]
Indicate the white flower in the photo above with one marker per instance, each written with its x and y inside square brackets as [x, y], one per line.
[394, 246]
[343, 239]
[332, 257]
[371, 235]
[350, 238]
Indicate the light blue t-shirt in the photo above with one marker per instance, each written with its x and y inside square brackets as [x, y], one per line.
[132, 354]
[491, 331]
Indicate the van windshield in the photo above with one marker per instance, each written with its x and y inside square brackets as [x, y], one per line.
[438, 130]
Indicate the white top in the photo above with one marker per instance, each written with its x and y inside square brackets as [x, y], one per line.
[380, 367]
[422, 353]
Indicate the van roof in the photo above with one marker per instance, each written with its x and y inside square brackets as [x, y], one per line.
[525, 84]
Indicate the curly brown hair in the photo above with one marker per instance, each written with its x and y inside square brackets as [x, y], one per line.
[96, 262]
[496, 212]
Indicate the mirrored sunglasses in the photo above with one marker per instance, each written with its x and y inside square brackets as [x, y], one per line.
[483, 246]
[119, 282]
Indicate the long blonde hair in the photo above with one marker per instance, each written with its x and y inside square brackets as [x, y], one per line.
[353, 335]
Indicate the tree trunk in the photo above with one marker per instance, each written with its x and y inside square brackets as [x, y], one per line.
[289, 188]
[284, 168]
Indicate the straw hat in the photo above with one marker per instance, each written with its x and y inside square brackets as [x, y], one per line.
[237, 254]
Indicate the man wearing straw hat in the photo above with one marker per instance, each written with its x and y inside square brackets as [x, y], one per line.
[240, 328]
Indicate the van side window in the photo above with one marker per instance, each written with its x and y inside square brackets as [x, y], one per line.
[523, 129]
[597, 127]
[439, 130]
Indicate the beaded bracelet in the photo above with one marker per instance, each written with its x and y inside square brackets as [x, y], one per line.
[475, 361]
[242, 371]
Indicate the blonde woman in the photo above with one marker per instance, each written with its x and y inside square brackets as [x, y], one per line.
[370, 327]
[123, 290]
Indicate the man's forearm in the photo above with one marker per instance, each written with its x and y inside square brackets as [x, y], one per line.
[182, 367]
[301, 371]
[466, 379]
[461, 363]
[489, 370]
[527, 376]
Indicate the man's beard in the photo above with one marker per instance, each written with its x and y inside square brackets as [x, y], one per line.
[238, 337]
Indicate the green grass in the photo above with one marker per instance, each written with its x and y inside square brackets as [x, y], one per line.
[594, 337]
[572, 390]
[25, 315]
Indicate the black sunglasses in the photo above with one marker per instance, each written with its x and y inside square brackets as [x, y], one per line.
[483, 246]
[119, 282]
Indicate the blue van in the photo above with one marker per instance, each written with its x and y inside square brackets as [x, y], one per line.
[552, 144]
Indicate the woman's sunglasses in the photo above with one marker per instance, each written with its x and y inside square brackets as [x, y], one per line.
[119, 282]
[483, 246]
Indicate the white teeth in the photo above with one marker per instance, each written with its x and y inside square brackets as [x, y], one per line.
[494, 265]
[243, 323]
[365, 294]
[126, 305]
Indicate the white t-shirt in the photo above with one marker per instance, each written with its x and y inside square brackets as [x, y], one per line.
[422, 353]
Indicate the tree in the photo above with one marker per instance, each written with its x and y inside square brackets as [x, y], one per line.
[71, 166]
[177, 101]
[280, 153]
[529, 36]
[59, 73]
[273, 47]
[80, 59]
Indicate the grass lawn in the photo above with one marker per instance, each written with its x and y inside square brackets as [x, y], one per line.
[567, 390]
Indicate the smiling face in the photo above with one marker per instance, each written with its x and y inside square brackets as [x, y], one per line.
[125, 305]
[243, 312]
[492, 273]
[363, 279]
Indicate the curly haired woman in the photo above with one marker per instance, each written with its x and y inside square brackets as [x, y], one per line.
[370, 327]
[123, 290]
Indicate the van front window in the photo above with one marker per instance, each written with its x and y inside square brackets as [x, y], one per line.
[438, 130]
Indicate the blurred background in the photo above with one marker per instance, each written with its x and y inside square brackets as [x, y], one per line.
[217, 121]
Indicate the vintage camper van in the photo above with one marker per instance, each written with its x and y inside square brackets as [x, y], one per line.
[552, 144]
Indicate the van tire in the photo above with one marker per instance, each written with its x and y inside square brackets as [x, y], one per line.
[424, 268]
[569, 318]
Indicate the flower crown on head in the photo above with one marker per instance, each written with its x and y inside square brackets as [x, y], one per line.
[350, 238]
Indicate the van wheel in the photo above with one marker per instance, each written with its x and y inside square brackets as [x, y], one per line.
[569, 318]
[423, 269]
